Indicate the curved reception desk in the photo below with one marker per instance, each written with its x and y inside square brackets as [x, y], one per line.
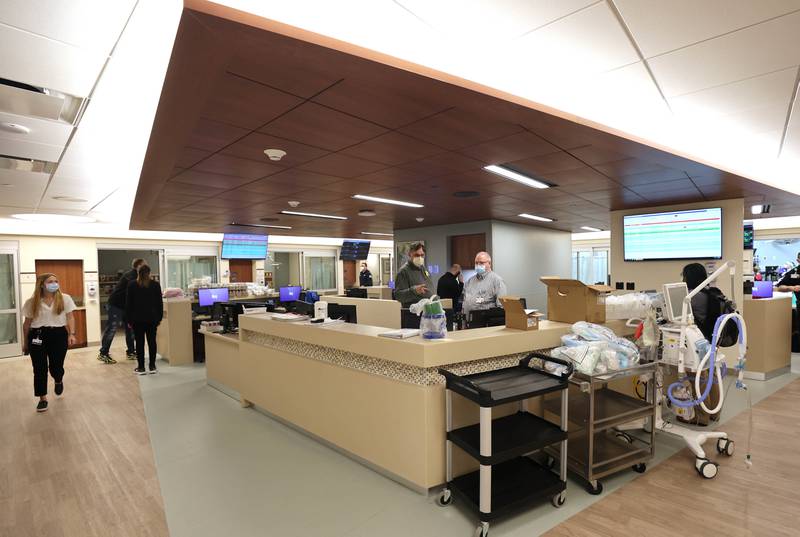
[378, 399]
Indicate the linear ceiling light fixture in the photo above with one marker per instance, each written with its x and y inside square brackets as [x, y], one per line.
[590, 228]
[54, 218]
[378, 234]
[260, 225]
[515, 176]
[537, 218]
[759, 209]
[391, 202]
[315, 215]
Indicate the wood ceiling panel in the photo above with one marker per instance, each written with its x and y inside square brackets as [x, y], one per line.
[630, 166]
[392, 149]
[391, 177]
[340, 165]
[442, 164]
[214, 182]
[240, 167]
[247, 104]
[350, 187]
[677, 185]
[270, 187]
[518, 146]
[188, 158]
[457, 129]
[651, 177]
[547, 164]
[213, 135]
[318, 126]
[253, 145]
[592, 154]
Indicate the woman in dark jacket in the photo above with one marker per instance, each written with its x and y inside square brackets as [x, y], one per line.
[144, 309]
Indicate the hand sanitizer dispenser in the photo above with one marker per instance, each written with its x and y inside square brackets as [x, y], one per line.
[320, 309]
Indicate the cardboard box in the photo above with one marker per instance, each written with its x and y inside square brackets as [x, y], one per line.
[570, 301]
[517, 317]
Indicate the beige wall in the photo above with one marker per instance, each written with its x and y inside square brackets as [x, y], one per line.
[653, 274]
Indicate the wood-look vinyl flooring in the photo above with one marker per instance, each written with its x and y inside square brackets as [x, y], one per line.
[85, 467]
[672, 499]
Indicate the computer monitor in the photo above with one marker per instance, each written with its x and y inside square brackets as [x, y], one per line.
[290, 294]
[762, 289]
[341, 311]
[488, 317]
[230, 316]
[207, 297]
[356, 292]
[674, 294]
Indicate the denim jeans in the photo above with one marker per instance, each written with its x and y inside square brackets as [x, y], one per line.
[116, 320]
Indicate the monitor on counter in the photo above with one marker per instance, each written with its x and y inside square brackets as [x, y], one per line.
[762, 289]
[695, 234]
[208, 297]
[354, 250]
[244, 246]
[290, 294]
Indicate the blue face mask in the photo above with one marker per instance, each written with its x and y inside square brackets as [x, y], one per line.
[52, 286]
[480, 269]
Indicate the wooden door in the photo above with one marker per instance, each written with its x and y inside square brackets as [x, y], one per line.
[70, 277]
[464, 247]
[241, 270]
[349, 273]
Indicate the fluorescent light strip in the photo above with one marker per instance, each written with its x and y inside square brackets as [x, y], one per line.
[379, 234]
[515, 176]
[534, 217]
[757, 209]
[260, 225]
[590, 228]
[391, 202]
[314, 215]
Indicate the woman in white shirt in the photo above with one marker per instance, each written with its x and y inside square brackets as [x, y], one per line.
[49, 329]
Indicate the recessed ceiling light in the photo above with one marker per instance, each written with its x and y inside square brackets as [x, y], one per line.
[378, 234]
[70, 199]
[515, 176]
[590, 228]
[537, 218]
[54, 218]
[366, 212]
[16, 128]
[270, 226]
[760, 209]
[385, 200]
[315, 215]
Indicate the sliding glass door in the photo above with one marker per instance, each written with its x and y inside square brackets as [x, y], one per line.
[10, 321]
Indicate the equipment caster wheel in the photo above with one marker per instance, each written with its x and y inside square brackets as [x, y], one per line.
[550, 462]
[706, 468]
[726, 446]
[559, 499]
[482, 531]
[594, 490]
[445, 498]
[639, 468]
[624, 436]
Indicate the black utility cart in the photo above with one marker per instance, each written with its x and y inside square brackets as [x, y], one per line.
[507, 479]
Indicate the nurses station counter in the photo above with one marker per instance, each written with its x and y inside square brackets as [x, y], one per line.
[769, 335]
[378, 399]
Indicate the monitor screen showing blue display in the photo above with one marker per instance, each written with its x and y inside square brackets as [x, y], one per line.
[695, 234]
[207, 297]
[357, 250]
[244, 246]
[290, 294]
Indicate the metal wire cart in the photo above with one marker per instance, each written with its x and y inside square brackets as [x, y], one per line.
[597, 447]
[506, 480]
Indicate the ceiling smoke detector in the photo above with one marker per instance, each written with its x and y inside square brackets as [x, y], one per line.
[294, 204]
[275, 154]
[366, 212]
[419, 218]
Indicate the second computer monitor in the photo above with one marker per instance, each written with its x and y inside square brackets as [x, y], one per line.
[290, 294]
[207, 297]
[347, 313]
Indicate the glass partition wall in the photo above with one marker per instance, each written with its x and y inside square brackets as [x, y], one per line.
[311, 269]
[9, 305]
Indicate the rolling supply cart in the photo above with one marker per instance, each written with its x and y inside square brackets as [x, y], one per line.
[507, 479]
[597, 446]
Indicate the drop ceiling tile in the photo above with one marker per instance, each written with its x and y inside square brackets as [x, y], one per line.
[666, 186]
[593, 154]
[518, 146]
[392, 149]
[547, 164]
[588, 178]
[350, 187]
[630, 166]
[253, 145]
[304, 179]
[239, 167]
[322, 127]
[457, 129]
[270, 187]
[764, 48]
[658, 176]
[317, 195]
[443, 164]
[660, 27]
[340, 165]
[188, 158]
[245, 103]
[212, 135]
[213, 181]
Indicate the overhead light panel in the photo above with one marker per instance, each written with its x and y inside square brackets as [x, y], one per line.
[270, 226]
[385, 200]
[537, 218]
[515, 176]
[54, 218]
[378, 234]
[590, 228]
[760, 209]
[315, 215]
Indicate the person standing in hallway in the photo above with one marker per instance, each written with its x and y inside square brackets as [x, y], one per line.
[365, 276]
[144, 309]
[48, 330]
[483, 291]
[116, 317]
[413, 282]
[451, 285]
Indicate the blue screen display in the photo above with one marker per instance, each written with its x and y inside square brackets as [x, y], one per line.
[290, 294]
[695, 234]
[244, 246]
[207, 297]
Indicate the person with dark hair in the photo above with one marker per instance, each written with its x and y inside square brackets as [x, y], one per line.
[451, 285]
[365, 276]
[791, 281]
[116, 317]
[708, 304]
[413, 281]
[144, 309]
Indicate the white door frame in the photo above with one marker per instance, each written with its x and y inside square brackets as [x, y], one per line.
[13, 349]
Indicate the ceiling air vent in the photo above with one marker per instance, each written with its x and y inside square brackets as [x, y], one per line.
[31, 101]
[26, 165]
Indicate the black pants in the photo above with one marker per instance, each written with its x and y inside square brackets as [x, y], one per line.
[49, 351]
[140, 331]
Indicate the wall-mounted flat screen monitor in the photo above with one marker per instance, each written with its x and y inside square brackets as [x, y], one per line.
[290, 294]
[244, 246]
[748, 236]
[207, 297]
[354, 250]
[694, 234]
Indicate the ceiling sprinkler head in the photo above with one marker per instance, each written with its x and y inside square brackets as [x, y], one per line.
[294, 204]
[366, 212]
[275, 154]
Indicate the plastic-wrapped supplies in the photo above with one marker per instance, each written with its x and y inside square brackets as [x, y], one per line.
[595, 349]
[627, 306]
